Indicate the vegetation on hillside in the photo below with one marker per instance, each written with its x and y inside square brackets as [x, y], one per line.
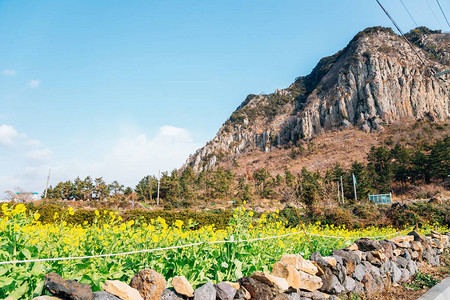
[387, 166]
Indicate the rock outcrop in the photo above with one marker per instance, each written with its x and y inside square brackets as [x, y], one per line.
[376, 80]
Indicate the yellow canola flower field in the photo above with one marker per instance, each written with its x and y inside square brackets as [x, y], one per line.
[24, 237]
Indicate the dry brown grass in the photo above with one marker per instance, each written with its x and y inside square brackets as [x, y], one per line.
[341, 147]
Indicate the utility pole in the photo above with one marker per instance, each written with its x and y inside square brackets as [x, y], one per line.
[157, 193]
[339, 193]
[150, 188]
[342, 191]
[46, 186]
[354, 187]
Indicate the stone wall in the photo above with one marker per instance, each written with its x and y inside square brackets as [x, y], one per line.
[365, 267]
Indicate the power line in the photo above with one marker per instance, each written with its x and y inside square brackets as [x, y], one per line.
[412, 47]
[440, 7]
[429, 5]
[409, 13]
[401, 32]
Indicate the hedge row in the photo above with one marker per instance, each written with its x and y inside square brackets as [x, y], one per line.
[218, 218]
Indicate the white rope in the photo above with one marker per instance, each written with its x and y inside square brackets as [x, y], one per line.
[183, 246]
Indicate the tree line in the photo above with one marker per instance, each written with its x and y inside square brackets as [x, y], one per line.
[385, 167]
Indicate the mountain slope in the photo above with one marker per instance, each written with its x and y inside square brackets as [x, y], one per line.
[376, 80]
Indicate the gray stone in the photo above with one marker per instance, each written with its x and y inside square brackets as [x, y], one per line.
[370, 285]
[375, 274]
[405, 275]
[359, 273]
[341, 272]
[428, 258]
[348, 255]
[316, 257]
[359, 288]
[366, 244]
[406, 255]
[316, 295]
[339, 259]
[350, 284]
[224, 291]
[402, 262]
[169, 294]
[205, 292]
[293, 296]
[412, 267]
[394, 272]
[331, 283]
[102, 295]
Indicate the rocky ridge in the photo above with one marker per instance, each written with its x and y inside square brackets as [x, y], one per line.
[376, 80]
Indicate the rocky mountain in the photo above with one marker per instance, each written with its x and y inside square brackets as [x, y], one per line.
[376, 80]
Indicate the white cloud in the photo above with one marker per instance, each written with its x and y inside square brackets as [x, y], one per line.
[34, 83]
[9, 72]
[39, 155]
[7, 135]
[131, 157]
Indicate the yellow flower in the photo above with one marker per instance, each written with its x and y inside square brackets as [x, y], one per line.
[36, 216]
[4, 206]
[154, 238]
[55, 215]
[277, 211]
[85, 222]
[178, 223]
[250, 214]
[97, 213]
[71, 211]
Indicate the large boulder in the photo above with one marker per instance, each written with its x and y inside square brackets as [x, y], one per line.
[169, 294]
[205, 292]
[278, 284]
[149, 283]
[69, 289]
[256, 289]
[299, 263]
[121, 290]
[182, 286]
[225, 291]
[287, 272]
[366, 244]
[330, 283]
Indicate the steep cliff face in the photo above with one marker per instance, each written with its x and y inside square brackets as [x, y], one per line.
[376, 80]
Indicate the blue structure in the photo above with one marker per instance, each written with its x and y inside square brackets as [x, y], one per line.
[380, 198]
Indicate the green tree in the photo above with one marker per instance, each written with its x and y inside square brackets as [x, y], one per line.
[439, 159]
[364, 185]
[380, 168]
[260, 176]
[310, 189]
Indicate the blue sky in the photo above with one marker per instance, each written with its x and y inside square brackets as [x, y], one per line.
[120, 89]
